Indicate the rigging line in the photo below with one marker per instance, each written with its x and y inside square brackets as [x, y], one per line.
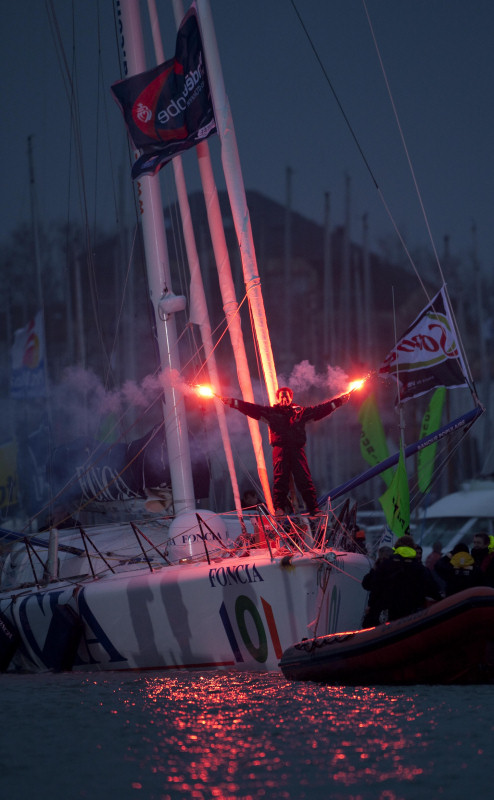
[402, 433]
[196, 347]
[185, 284]
[402, 242]
[103, 84]
[178, 244]
[71, 92]
[464, 360]
[227, 325]
[122, 302]
[181, 261]
[359, 148]
[97, 128]
[440, 466]
[196, 354]
[395, 112]
[200, 347]
[352, 132]
[258, 357]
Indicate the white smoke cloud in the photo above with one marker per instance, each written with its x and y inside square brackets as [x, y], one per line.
[304, 377]
[80, 403]
[83, 407]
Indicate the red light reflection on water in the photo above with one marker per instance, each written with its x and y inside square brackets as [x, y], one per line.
[381, 728]
[225, 736]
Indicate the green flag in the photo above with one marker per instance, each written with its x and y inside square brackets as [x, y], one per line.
[430, 423]
[373, 445]
[396, 500]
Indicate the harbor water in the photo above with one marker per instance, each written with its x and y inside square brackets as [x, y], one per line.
[163, 736]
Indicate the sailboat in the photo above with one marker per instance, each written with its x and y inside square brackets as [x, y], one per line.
[196, 588]
[193, 590]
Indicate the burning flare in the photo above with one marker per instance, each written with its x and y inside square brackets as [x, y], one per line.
[204, 391]
[356, 384]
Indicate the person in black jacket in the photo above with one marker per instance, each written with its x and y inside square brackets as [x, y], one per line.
[378, 593]
[403, 584]
[286, 422]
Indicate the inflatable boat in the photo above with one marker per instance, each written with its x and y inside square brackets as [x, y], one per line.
[451, 642]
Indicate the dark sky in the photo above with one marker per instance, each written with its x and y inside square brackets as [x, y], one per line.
[439, 60]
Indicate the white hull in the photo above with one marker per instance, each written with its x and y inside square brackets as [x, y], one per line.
[234, 613]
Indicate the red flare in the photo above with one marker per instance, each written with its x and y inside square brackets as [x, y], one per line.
[204, 391]
[356, 385]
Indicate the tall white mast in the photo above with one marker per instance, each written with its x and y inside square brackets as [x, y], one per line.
[236, 194]
[199, 311]
[228, 296]
[159, 279]
[230, 307]
[288, 278]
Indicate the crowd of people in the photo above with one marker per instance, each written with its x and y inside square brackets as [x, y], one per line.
[399, 583]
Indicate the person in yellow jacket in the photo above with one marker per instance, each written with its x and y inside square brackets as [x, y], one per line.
[458, 570]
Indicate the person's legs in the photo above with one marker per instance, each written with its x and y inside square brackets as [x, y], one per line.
[303, 480]
[281, 478]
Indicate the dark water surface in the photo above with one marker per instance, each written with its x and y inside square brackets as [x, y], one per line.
[224, 736]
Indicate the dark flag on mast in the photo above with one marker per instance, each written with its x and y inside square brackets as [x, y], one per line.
[168, 109]
[428, 354]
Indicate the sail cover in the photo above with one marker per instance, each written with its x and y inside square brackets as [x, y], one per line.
[168, 109]
[428, 353]
[85, 470]
[119, 472]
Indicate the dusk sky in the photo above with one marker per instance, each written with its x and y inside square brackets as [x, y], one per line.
[439, 62]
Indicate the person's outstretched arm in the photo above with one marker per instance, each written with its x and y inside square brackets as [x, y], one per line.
[249, 409]
[324, 409]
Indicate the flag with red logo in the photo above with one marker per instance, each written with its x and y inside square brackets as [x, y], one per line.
[27, 377]
[168, 109]
[428, 354]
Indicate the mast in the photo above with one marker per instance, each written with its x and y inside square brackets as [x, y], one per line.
[34, 219]
[367, 350]
[231, 308]
[287, 289]
[236, 194]
[159, 279]
[198, 311]
[37, 260]
[328, 317]
[227, 288]
[346, 270]
[484, 360]
[79, 313]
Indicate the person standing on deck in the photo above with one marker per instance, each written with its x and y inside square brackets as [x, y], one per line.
[286, 422]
